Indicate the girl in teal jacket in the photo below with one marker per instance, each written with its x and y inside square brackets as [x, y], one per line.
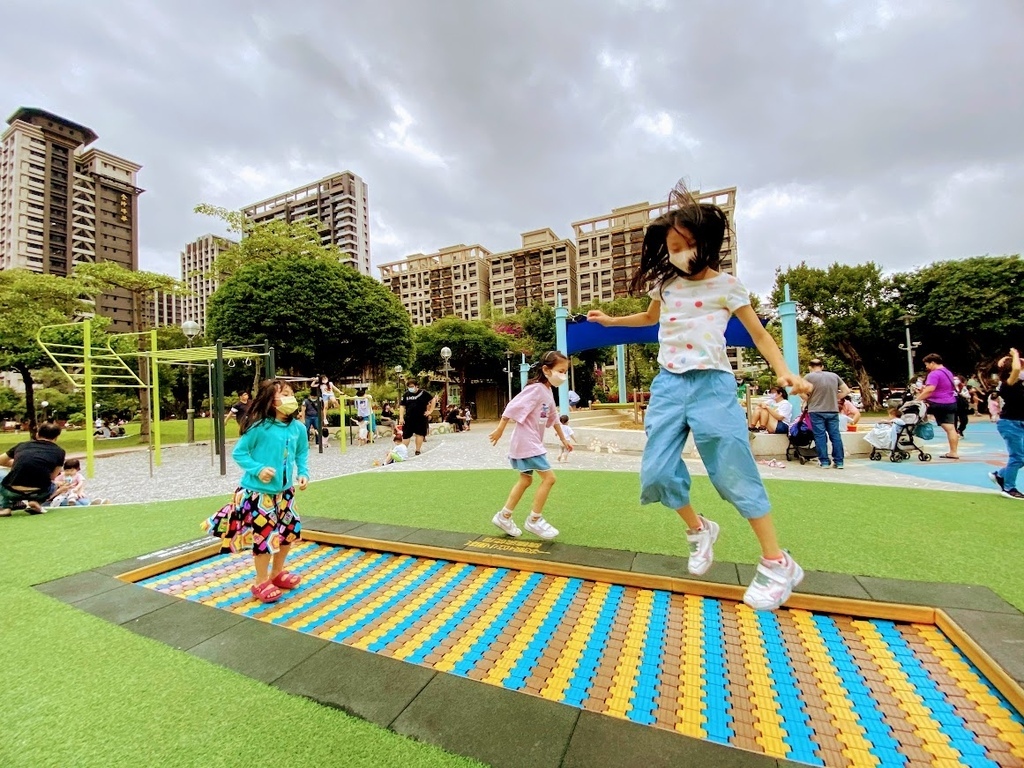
[272, 453]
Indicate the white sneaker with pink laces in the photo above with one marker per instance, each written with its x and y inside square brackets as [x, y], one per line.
[773, 583]
[702, 547]
[506, 524]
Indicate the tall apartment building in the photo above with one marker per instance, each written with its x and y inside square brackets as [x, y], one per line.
[453, 281]
[341, 204]
[165, 309]
[62, 204]
[608, 247]
[543, 267]
[199, 276]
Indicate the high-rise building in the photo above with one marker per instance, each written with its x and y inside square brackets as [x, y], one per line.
[199, 276]
[339, 202]
[62, 204]
[165, 309]
[543, 267]
[608, 247]
[453, 281]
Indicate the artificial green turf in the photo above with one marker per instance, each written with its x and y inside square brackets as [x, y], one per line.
[79, 691]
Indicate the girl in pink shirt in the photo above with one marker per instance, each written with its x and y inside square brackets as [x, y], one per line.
[533, 410]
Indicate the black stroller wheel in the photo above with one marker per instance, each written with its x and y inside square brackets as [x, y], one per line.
[876, 456]
[922, 457]
[927, 457]
[895, 457]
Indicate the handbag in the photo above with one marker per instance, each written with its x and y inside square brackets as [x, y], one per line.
[925, 431]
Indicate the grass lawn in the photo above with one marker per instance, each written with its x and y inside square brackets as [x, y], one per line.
[79, 691]
[173, 431]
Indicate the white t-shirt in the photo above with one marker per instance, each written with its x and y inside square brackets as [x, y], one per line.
[694, 314]
[785, 410]
[400, 452]
[567, 431]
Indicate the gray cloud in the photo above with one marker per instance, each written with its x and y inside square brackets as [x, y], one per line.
[854, 131]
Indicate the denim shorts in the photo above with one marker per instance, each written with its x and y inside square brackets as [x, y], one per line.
[526, 466]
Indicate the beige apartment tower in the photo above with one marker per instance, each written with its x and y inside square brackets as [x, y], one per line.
[608, 247]
[62, 204]
[453, 281]
[199, 276]
[339, 202]
[541, 269]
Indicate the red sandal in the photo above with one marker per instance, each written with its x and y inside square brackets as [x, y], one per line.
[286, 580]
[267, 592]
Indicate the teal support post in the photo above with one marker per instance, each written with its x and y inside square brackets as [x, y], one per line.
[561, 313]
[620, 369]
[524, 373]
[787, 316]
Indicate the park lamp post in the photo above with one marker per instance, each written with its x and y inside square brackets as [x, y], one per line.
[446, 355]
[45, 404]
[909, 347]
[191, 329]
[508, 371]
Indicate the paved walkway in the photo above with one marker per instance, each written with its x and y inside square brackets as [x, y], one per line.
[189, 472]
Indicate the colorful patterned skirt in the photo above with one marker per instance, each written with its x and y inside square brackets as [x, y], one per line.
[263, 521]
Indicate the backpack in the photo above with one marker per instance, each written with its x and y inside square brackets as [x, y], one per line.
[800, 431]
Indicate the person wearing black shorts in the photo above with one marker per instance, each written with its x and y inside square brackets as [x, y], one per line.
[34, 466]
[414, 408]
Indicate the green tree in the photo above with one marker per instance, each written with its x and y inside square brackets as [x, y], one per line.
[28, 301]
[538, 324]
[478, 352]
[970, 311]
[12, 404]
[264, 241]
[843, 307]
[318, 314]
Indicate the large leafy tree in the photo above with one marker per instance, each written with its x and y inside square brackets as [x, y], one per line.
[140, 285]
[28, 301]
[318, 314]
[846, 308]
[970, 311]
[478, 352]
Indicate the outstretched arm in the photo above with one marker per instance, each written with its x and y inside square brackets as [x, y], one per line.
[766, 346]
[638, 320]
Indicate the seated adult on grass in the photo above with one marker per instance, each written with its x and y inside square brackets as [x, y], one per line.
[34, 466]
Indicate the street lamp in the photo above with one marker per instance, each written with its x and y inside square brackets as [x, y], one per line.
[446, 355]
[508, 371]
[45, 404]
[191, 329]
[909, 346]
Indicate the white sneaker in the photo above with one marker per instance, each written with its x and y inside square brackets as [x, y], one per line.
[540, 527]
[773, 584]
[702, 543]
[507, 524]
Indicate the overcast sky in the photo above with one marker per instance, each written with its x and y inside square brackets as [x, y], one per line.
[854, 131]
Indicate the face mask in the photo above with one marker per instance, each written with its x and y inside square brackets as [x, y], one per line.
[412, 390]
[288, 405]
[557, 379]
[688, 263]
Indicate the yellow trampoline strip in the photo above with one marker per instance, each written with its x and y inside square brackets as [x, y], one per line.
[503, 666]
[935, 742]
[691, 696]
[558, 680]
[412, 606]
[628, 665]
[849, 731]
[771, 734]
[449, 660]
[410, 576]
[469, 593]
[1008, 729]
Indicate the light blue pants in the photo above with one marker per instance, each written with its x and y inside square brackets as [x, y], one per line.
[1012, 432]
[704, 402]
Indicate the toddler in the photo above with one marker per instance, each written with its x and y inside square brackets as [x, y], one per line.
[70, 490]
[569, 434]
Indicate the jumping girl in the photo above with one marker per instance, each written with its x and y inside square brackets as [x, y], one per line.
[533, 410]
[272, 453]
[696, 388]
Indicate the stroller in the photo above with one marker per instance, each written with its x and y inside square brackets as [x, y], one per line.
[899, 437]
[801, 440]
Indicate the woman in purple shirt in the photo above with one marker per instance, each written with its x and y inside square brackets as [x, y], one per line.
[940, 394]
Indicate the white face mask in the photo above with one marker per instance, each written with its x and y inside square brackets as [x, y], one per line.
[682, 260]
[557, 379]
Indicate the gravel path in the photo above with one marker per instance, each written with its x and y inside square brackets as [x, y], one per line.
[187, 471]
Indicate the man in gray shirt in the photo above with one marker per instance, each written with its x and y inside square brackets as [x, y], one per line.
[823, 406]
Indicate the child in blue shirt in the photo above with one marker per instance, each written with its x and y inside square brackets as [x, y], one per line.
[272, 453]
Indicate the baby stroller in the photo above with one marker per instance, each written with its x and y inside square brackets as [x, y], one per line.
[899, 437]
[801, 440]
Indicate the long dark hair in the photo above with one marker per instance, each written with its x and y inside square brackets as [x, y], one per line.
[547, 360]
[1005, 369]
[706, 222]
[262, 406]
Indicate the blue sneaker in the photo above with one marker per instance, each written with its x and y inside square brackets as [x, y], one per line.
[839, 466]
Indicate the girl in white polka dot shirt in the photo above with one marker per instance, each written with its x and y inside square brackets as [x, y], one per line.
[696, 388]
